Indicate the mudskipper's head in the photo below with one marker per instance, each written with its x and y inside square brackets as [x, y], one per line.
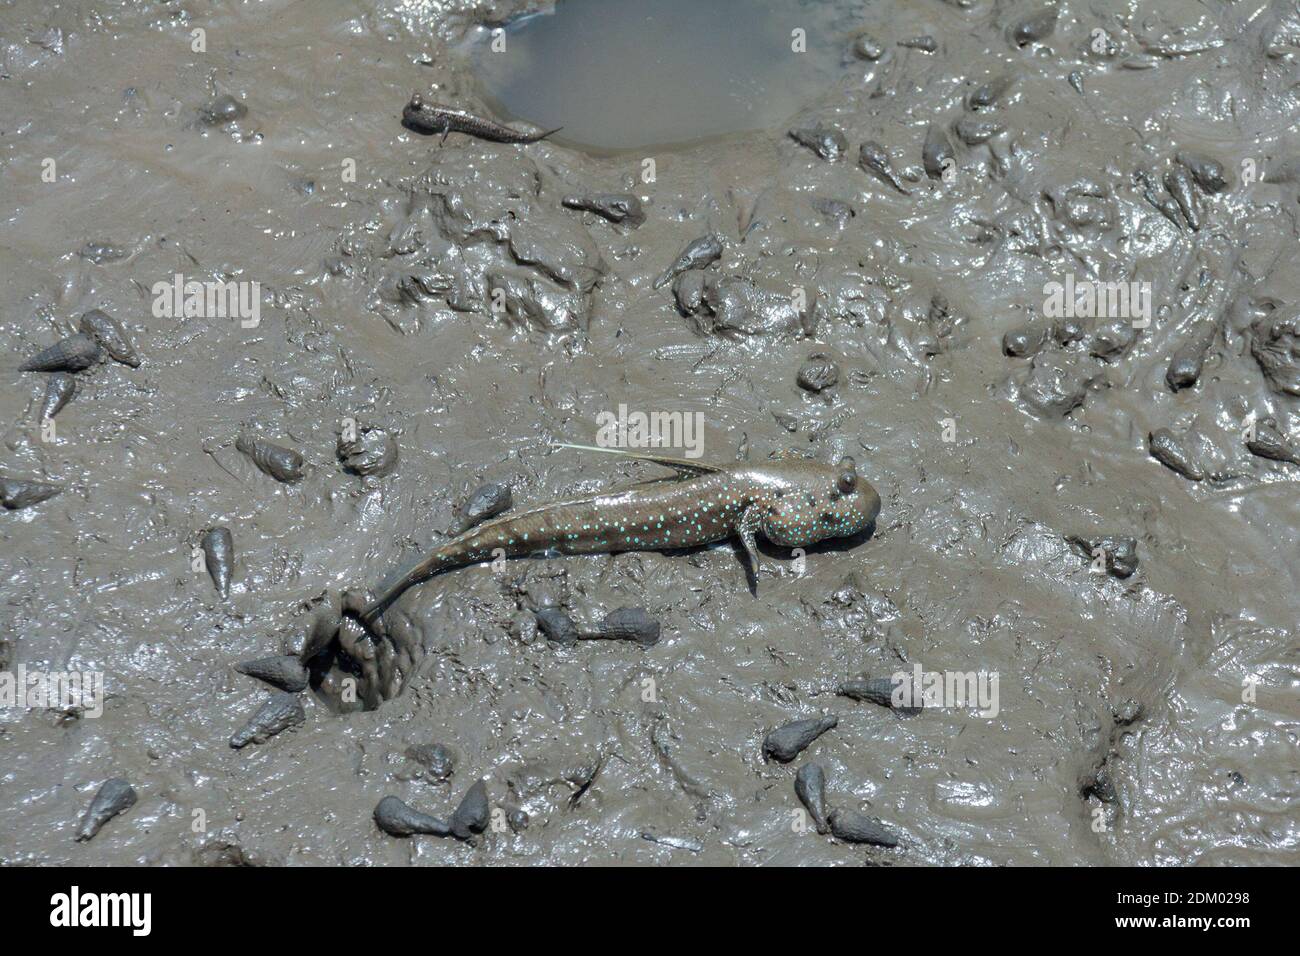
[836, 503]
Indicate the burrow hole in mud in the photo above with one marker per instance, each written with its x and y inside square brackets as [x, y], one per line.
[351, 672]
[336, 680]
[622, 75]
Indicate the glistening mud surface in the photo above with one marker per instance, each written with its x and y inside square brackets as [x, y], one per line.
[1122, 734]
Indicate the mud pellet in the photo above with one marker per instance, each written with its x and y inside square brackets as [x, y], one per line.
[435, 758]
[400, 820]
[1179, 183]
[630, 624]
[853, 827]
[16, 494]
[699, 254]
[222, 109]
[688, 292]
[486, 501]
[279, 713]
[112, 798]
[1118, 552]
[874, 159]
[817, 373]
[219, 556]
[1165, 205]
[867, 47]
[1189, 359]
[936, 154]
[472, 814]
[788, 422]
[924, 43]
[59, 390]
[810, 787]
[1168, 450]
[556, 626]
[371, 451]
[108, 332]
[878, 690]
[76, 353]
[1021, 342]
[621, 208]
[875, 690]
[788, 741]
[826, 141]
[282, 671]
[1068, 331]
[1208, 173]
[1034, 28]
[517, 820]
[1112, 340]
[1269, 442]
[988, 94]
[282, 464]
[321, 632]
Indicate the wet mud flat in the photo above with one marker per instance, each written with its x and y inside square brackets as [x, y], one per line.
[1098, 509]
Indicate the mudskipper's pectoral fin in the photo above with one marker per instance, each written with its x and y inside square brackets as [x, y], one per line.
[685, 467]
[747, 528]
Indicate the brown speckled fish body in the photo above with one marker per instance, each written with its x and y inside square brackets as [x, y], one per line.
[793, 503]
[432, 118]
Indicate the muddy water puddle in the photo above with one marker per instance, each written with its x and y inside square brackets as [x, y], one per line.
[627, 74]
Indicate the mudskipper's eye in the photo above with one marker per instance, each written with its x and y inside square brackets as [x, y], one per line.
[848, 477]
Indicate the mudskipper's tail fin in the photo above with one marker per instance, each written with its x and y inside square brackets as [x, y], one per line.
[421, 572]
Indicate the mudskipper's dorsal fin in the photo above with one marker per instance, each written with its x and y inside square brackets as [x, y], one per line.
[683, 466]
